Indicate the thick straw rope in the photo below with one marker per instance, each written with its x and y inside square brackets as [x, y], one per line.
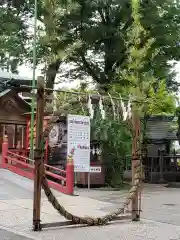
[88, 220]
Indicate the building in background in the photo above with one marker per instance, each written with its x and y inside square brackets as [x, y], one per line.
[13, 105]
[161, 163]
[9, 80]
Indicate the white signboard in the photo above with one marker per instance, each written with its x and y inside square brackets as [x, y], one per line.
[78, 138]
[95, 169]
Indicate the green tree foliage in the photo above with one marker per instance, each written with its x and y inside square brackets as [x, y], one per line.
[161, 102]
[152, 93]
[91, 34]
[13, 38]
[112, 133]
[145, 87]
[115, 138]
[141, 85]
[161, 20]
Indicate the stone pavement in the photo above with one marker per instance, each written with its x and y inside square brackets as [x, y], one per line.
[16, 213]
[9, 235]
[158, 203]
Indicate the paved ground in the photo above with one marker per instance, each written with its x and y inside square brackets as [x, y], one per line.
[158, 203]
[160, 216]
[8, 235]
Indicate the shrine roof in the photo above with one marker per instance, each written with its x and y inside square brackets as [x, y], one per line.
[9, 79]
[162, 128]
[3, 93]
[13, 94]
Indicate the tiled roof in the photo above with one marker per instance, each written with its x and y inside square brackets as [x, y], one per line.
[161, 128]
[4, 92]
[6, 77]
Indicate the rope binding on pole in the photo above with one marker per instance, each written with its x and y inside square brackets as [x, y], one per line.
[90, 221]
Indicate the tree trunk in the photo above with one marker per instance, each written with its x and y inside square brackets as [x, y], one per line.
[51, 73]
[178, 132]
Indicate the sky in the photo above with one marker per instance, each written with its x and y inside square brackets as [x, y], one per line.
[177, 68]
[26, 71]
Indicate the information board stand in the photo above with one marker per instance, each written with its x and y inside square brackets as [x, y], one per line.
[78, 138]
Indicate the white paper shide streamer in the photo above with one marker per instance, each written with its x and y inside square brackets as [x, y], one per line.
[126, 108]
[113, 106]
[90, 107]
[101, 108]
[129, 110]
[91, 110]
[54, 103]
[126, 111]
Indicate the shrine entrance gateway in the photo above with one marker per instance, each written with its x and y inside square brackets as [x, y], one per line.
[130, 118]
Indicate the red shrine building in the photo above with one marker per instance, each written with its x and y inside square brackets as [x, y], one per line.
[15, 118]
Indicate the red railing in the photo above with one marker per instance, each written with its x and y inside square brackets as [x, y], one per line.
[17, 162]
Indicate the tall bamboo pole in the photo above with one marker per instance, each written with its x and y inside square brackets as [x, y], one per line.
[135, 159]
[33, 82]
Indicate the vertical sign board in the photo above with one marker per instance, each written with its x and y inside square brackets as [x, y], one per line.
[78, 137]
